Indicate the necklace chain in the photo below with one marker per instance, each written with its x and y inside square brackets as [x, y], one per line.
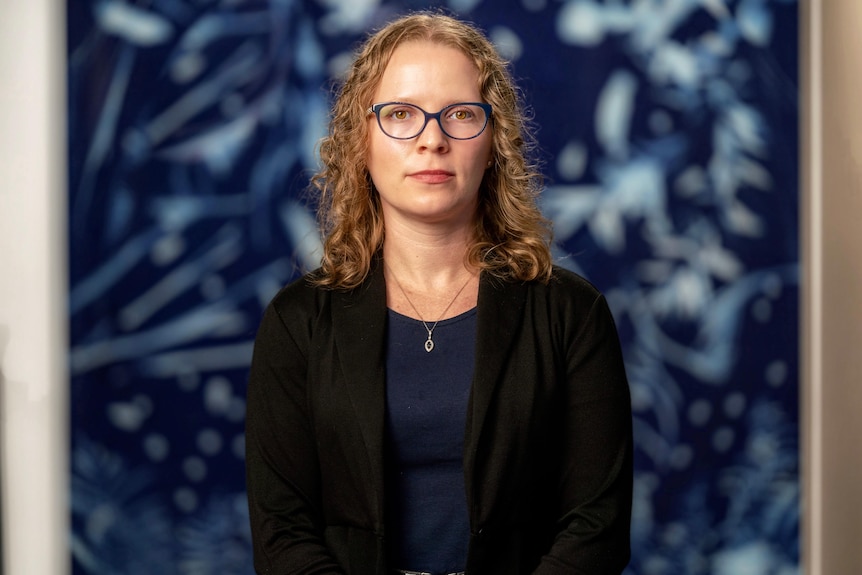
[429, 343]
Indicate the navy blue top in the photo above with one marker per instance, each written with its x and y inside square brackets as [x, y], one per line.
[427, 523]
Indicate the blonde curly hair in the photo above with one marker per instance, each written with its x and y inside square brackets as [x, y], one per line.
[511, 239]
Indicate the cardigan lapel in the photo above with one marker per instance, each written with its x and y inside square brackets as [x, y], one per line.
[359, 323]
[500, 314]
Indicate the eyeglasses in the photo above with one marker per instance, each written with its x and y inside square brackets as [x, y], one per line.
[463, 121]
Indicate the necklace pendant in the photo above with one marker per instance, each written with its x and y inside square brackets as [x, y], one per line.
[429, 345]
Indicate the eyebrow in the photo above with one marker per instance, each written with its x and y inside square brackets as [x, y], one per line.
[412, 102]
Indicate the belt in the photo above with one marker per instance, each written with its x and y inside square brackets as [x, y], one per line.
[406, 572]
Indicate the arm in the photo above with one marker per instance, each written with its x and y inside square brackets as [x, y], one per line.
[281, 459]
[596, 471]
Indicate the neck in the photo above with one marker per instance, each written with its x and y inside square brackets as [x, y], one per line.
[434, 260]
[427, 276]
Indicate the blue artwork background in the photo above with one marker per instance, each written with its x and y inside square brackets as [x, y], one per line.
[669, 131]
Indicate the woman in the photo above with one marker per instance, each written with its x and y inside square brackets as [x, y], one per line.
[438, 397]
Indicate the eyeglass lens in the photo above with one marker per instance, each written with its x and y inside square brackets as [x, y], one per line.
[404, 121]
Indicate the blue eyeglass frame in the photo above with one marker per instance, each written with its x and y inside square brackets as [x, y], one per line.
[375, 109]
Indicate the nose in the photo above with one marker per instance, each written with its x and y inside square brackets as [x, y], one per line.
[432, 137]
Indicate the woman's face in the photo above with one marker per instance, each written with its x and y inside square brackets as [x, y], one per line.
[432, 178]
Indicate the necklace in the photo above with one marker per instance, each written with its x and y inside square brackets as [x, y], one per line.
[429, 343]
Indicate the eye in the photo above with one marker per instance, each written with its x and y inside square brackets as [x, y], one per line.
[397, 113]
[461, 114]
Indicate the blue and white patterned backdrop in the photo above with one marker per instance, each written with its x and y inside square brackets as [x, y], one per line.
[669, 131]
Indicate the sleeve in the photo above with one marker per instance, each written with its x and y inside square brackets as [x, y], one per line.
[282, 474]
[596, 473]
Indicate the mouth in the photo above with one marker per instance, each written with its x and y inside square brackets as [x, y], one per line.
[432, 176]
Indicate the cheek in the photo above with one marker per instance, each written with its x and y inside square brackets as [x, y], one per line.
[487, 153]
[381, 149]
[382, 162]
[485, 156]
[373, 155]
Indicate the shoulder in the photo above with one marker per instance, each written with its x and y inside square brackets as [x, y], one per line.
[564, 287]
[570, 299]
[564, 281]
[304, 302]
[298, 293]
[566, 296]
[567, 290]
[298, 303]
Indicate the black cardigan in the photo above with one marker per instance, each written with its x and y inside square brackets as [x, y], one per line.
[548, 445]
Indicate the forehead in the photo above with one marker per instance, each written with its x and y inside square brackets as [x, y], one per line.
[419, 67]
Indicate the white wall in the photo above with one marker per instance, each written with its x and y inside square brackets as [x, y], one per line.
[832, 300]
[33, 428]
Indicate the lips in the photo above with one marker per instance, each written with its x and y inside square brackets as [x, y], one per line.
[432, 176]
